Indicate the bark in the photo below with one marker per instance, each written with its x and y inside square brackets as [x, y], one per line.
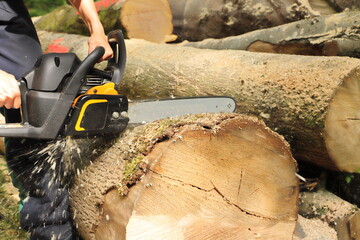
[196, 20]
[310, 100]
[334, 35]
[206, 176]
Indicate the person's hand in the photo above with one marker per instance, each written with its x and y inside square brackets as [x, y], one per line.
[9, 91]
[96, 40]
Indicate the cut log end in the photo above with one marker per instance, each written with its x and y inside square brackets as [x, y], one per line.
[232, 180]
[151, 22]
[343, 124]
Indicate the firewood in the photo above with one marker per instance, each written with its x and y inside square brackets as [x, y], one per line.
[334, 35]
[310, 100]
[207, 176]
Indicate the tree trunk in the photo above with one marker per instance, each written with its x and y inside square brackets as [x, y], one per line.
[334, 35]
[196, 20]
[310, 100]
[206, 176]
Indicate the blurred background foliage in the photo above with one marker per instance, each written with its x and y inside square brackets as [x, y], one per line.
[41, 7]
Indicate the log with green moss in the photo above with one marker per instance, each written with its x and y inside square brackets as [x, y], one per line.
[206, 176]
[310, 100]
[334, 35]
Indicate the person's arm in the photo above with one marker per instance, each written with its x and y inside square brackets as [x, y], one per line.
[89, 15]
[9, 91]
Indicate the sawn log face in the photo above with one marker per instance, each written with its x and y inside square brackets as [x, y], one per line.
[202, 177]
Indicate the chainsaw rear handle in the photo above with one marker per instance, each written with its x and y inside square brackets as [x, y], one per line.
[115, 68]
[118, 62]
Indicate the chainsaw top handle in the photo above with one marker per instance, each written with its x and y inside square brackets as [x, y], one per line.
[116, 65]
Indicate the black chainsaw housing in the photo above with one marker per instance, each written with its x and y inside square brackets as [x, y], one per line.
[54, 100]
[98, 114]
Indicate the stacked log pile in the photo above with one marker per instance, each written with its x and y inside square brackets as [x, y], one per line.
[227, 176]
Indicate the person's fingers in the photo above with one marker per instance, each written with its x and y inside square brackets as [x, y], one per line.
[17, 102]
[9, 91]
[9, 102]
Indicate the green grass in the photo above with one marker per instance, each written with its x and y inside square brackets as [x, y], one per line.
[9, 214]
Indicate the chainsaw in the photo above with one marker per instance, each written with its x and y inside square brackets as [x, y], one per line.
[64, 96]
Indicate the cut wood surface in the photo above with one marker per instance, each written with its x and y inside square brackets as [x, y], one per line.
[310, 100]
[152, 22]
[334, 35]
[207, 176]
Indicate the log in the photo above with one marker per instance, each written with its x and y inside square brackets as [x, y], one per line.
[195, 20]
[334, 35]
[206, 176]
[310, 100]
[325, 206]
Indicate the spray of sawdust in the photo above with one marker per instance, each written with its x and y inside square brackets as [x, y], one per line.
[62, 159]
